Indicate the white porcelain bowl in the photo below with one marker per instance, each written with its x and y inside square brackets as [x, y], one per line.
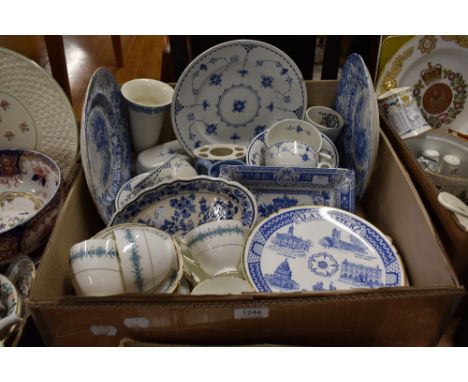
[30, 197]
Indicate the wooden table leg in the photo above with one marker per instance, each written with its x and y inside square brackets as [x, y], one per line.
[58, 63]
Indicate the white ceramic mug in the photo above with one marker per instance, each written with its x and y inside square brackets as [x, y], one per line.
[147, 259]
[148, 101]
[95, 268]
[217, 246]
[326, 120]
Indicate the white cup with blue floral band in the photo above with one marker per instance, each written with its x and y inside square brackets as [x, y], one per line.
[326, 120]
[95, 268]
[294, 130]
[147, 259]
[291, 154]
[216, 247]
[148, 101]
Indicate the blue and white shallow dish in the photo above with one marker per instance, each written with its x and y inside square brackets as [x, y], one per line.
[314, 248]
[257, 147]
[105, 141]
[357, 103]
[276, 188]
[127, 190]
[233, 91]
[180, 205]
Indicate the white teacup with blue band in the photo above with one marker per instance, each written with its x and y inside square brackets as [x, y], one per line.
[216, 247]
[147, 259]
[326, 120]
[95, 268]
[294, 130]
[148, 100]
[291, 154]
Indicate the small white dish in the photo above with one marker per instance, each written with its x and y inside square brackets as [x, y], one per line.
[452, 203]
[222, 285]
[154, 157]
[22, 272]
[126, 191]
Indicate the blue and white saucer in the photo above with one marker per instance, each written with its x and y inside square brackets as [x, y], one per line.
[180, 205]
[105, 141]
[233, 91]
[256, 150]
[127, 190]
[314, 248]
[357, 103]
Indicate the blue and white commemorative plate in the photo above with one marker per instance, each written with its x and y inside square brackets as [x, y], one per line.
[256, 150]
[180, 205]
[233, 91]
[357, 103]
[314, 248]
[105, 141]
[276, 188]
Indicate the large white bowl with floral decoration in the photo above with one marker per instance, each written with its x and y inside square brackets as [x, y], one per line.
[30, 196]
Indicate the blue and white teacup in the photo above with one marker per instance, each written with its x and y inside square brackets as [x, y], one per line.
[291, 154]
[206, 167]
[326, 120]
[148, 101]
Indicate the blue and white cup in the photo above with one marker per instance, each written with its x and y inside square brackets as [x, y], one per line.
[148, 101]
[95, 268]
[206, 167]
[325, 120]
[291, 154]
[216, 247]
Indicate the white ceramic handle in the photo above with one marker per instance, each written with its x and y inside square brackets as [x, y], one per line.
[453, 203]
[10, 320]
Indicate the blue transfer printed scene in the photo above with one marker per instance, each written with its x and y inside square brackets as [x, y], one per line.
[287, 244]
[334, 241]
[282, 277]
[360, 275]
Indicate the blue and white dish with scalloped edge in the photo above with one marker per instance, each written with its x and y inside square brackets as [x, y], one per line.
[105, 141]
[315, 248]
[180, 205]
[233, 91]
[282, 187]
[357, 103]
[257, 147]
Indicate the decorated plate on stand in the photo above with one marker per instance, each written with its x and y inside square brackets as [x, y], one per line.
[105, 141]
[256, 150]
[233, 91]
[315, 248]
[436, 68]
[35, 113]
[357, 103]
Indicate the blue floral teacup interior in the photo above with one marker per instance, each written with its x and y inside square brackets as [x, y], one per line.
[291, 154]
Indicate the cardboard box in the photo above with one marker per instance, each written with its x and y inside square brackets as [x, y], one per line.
[454, 239]
[415, 315]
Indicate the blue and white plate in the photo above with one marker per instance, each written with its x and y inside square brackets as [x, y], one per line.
[105, 141]
[314, 248]
[256, 150]
[179, 206]
[233, 91]
[276, 188]
[357, 103]
[127, 191]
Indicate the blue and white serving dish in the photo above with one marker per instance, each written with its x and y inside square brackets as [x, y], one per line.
[233, 91]
[315, 248]
[257, 148]
[105, 141]
[128, 190]
[357, 103]
[180, 205]
[276, 188]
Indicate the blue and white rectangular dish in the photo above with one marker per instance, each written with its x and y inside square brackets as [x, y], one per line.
[281, 187]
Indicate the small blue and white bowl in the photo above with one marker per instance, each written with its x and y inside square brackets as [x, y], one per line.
[291, 154]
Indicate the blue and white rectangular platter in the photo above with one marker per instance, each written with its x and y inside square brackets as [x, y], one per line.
[281, 187]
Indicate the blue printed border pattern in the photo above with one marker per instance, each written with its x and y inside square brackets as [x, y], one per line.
[135, 261]
[254, 249]
[146, 109]
[219, 231]
[93, 252]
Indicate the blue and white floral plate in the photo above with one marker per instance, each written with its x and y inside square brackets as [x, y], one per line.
[315, 248]
[357, 103]
[233, 91]
[127, 190]
[256, 150]
[276, 188]
[179, 206]
[105, 141]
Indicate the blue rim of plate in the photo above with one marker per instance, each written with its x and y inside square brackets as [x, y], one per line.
[103, 93]
[259, 236]
[329, 146]
[197, 66]
[175, 187]
[358, 142]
